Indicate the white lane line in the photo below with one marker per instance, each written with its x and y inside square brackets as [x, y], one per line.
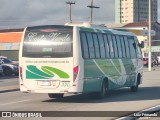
[155, 108]
[14, 102]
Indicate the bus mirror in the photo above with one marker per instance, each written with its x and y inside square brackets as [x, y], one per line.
[142, 44]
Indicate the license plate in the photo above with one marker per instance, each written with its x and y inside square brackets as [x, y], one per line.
[45, 83]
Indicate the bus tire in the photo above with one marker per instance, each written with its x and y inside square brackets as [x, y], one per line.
[135, 87]
[102, 93]
[51, 95]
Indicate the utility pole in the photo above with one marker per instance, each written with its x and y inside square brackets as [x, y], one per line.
[91, 6]
[70, 10]
[149, 37]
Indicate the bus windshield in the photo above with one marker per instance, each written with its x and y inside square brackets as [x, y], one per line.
[48, 41]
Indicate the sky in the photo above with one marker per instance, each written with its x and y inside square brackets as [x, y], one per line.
[23, 13]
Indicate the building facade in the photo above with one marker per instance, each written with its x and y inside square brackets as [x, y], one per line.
[9, 43]
[129, 11]
[140, 29]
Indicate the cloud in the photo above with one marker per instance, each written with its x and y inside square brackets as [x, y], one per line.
[22, 13]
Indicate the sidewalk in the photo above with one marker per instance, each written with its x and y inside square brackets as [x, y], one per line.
[155, 68]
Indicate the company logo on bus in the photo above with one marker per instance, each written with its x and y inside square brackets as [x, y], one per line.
[46, 72]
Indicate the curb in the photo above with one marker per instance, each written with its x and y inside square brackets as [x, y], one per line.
[9, 89]
[140, 114]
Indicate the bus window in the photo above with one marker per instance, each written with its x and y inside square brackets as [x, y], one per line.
[96, 45]
[84, 45]
[132, 46]
[127, 47]
[90, 45]
[48, 41]
[111, 46]
[106, 46]
[119, 46]
[123, 47]
[101, 45]
[115, 46]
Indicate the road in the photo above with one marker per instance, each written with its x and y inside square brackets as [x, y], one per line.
[118, 100]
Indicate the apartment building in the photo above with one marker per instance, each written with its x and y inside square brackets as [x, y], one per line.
[129, 11]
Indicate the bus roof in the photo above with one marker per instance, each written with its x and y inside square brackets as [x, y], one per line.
[85, 26]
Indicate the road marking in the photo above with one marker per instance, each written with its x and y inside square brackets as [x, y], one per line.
[14, 102]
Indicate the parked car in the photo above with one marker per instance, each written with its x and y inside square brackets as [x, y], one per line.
[153, 60]
[145, 61]
[8, 66]
[1, 70]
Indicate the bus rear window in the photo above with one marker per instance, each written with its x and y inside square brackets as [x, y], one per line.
[48, 41]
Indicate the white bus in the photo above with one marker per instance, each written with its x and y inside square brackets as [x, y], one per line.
[59, 59]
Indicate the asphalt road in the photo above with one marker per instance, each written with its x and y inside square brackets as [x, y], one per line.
[118, 100]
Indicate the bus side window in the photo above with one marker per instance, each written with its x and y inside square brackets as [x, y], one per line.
[139, 52]
[110, 46]
[127, 47]
[132, 46]
[84, 45]
[106, 45]
[123, 47]
[90, 45]
[119, 46]
[96, 45]
[115, 46]
[101, 45]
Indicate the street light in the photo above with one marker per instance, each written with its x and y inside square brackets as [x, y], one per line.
[91, 6]
[70, 3]
[149, 37]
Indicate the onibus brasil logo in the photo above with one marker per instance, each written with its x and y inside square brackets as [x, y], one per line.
[46, 72]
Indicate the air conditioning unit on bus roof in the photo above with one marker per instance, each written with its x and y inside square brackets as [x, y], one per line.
[84, 24]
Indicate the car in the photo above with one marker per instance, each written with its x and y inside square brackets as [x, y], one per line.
[145, 61]
[9, 67]
[1, 70]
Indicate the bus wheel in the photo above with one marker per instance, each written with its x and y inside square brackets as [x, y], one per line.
[102, 93]
[135, 87]
[51, 95]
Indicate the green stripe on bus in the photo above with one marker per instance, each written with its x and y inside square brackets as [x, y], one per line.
[107, 31]
[34, 69]
[60, 73]
[30, 75]
[99, 31]
[87, 29]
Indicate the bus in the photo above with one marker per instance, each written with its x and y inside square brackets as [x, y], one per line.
[60, 59]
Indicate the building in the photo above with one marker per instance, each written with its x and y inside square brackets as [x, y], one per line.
[129, 11]
[9, 42]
